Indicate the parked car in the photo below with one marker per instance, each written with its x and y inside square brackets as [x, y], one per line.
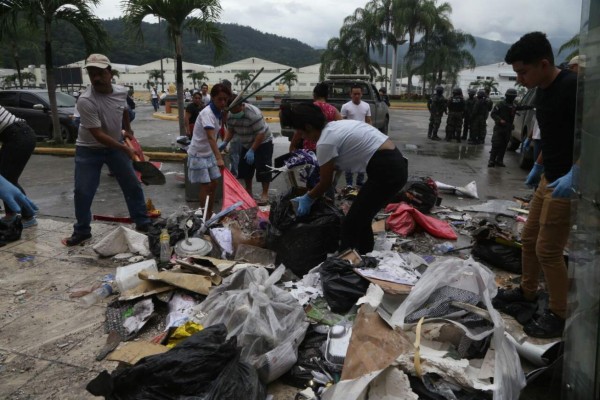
[33, 105]
[522, 128]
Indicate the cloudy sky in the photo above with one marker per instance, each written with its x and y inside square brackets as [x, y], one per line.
[315, 21]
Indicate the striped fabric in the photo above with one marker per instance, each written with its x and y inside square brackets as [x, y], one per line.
[7, 119]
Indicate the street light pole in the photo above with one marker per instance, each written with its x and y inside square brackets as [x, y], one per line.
[387, 34]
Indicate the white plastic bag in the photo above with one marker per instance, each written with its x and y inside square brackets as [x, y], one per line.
[268, 322]
[469, 275]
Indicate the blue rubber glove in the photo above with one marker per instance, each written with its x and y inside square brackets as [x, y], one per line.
[563, 186]
[249, 157]
[223, 145]
[304, 205]
[533, 179]
[15, 199]
[526, 144]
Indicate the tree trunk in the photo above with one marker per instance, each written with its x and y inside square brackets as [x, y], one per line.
[17, 61]
[179, 84]
[394, 70]
[51, 85]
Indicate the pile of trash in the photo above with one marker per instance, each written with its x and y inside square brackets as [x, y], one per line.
[251, 296]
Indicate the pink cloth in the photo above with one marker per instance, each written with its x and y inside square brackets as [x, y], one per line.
[405, 219]
[234, 192]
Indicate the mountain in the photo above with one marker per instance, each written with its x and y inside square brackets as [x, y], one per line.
[241, 42]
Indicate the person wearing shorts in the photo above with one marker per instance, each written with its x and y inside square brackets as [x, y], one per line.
[256, 155]
[204, 157]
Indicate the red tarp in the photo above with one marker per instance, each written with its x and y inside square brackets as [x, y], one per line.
[234, 192]
[405, 219]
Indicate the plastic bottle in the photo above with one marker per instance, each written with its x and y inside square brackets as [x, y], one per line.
[92, 298]
[443, 248]
[165, 246]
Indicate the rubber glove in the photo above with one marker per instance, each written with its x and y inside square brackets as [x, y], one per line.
[526, 143]
[533, 179]
[304, 205]
[563, 186]
[249, 157]
[15, 199]
[223, 145]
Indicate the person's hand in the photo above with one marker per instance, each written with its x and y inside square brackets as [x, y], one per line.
[533, 179]
[249, 157]
[220, 163]
[563, 186]
[15, 199]
[526, 143]
[304, 204]
[130, 152]
[128, 134]
[223, 145]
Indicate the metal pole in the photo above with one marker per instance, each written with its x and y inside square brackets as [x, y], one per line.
[162, 74]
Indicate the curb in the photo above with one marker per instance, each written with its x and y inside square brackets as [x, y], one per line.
[174, 117]
[153, 155]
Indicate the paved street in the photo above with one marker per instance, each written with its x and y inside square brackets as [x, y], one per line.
[49, 179]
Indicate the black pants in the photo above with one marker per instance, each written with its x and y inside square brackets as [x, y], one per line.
[387, 172]
[18, 141]
[500, 139]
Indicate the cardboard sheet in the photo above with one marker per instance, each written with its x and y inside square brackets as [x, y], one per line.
[132, 352]
[194, 283]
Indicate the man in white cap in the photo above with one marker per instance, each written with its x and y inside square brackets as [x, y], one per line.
[576, 63]
[103, 110]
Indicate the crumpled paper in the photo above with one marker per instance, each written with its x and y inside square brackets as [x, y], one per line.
[123, 240]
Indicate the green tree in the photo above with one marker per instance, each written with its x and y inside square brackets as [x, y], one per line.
[289, 79]
[44, 14]
[572, 43]
[156, 74]
[242, 78]
[198, 16]
[337, 58]
[18, 37]
[198, 77]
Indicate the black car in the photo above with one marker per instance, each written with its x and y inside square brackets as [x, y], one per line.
[33, 106]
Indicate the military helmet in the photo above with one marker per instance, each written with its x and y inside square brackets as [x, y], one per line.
[439, 89]
[457, 91]
[480, 93]
[471, 92]
[511, 93]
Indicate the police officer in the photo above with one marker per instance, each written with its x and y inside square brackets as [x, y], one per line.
[478, 118]
[503, 115]
[456, 112]
[437, 106]
[469, 103]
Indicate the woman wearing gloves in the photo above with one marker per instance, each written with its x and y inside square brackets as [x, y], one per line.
[355, 146]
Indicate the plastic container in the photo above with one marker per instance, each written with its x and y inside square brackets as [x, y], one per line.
[165, 246]
[94, 297]
[443, 248]
[127, 276]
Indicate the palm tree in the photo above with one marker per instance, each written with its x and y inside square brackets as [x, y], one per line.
[242, 78]
[198, 16]
[288, 79]
[197, 76]
[18, 37]
[337, 58]
[570, 44]
[156, 74]
[43, 13]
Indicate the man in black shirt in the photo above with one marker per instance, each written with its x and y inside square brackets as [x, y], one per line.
[547, 228]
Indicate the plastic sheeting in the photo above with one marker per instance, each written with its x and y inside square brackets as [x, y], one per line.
[123, 240]
[405, 219]
[234, 192]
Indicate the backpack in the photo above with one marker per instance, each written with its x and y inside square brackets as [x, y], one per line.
[421, 193]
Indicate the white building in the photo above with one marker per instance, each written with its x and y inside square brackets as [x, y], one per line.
[502, 73]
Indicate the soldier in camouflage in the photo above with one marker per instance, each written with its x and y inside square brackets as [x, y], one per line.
[456, 112]
[436, 105]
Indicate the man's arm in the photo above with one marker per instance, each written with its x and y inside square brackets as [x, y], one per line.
[326, 178]
[108, 141]
[127, 131]
[368, 120]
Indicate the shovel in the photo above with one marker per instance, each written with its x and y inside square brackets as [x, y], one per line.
[150, 175]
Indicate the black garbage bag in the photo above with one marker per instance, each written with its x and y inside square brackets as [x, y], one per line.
[238, 380]
[342, 287]
[10, 231]
[498, 255]
[192, 368]
[302, 243]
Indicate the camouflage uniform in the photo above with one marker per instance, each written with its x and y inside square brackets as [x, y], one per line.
[456, 112]
[437, 107]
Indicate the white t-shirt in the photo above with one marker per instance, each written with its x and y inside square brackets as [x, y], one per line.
[154, 93]
[536, 135]
[99, 110]
[206, 99]
[357, 112]
[200, 146]
[351, 144]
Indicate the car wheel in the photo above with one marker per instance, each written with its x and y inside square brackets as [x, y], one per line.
[526, 157]
[386, 125]
[513, 144]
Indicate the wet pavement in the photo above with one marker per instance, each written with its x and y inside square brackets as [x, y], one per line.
[48, 341]
[48, 180]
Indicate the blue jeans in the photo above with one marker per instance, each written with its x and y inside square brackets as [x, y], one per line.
[235, 148]
[360, 178]
[88, 165]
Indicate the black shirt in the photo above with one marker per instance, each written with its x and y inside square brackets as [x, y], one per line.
[555, 112]
[194, 110]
